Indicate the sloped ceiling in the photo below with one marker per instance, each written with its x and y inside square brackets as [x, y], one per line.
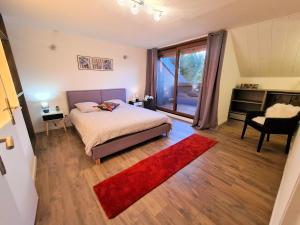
[106, 20]
[270, 48]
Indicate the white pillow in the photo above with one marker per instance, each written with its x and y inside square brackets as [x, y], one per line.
[86, 107]
[117, 101]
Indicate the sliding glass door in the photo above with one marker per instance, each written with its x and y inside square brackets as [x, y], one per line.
[166, 80]
[179, 78]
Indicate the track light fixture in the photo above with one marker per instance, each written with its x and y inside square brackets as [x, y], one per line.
[157, 14]
[136, 5]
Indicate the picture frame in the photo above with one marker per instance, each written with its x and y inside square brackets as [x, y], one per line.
[94, 63]
[84, 62]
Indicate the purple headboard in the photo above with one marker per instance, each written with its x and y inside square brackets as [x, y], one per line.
[98, 96]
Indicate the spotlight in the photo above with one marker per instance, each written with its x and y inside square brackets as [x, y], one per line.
[135, 8]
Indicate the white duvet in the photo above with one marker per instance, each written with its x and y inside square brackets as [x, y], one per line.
[98, 127]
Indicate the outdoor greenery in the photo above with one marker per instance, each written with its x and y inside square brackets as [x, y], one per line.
[191, 66]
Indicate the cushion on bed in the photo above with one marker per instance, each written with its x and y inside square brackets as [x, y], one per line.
[86, 107]
[108, 106]
[117, 101]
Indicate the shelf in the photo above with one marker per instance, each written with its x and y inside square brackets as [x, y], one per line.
[245, 89]
[238, 112]
[245, 101]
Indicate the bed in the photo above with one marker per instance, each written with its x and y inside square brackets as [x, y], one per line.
[105, 133]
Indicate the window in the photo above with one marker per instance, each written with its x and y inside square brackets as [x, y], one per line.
[179, 77]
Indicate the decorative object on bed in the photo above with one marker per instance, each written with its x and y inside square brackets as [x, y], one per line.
[115, 132]
[94, 63]
[207, 107]
[108, 106]
[278, 119]
[123, 189]
[86, 107]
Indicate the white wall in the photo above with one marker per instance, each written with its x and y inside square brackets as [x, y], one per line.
[46, 74]
[287, 188]
[280, 83]
[229, 78]
[292, 216]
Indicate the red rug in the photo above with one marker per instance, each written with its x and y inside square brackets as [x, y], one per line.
[123, 189]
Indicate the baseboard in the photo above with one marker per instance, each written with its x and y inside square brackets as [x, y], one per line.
[33, 167]
[177, 117]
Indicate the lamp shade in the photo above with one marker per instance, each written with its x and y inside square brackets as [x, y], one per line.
[44, 105]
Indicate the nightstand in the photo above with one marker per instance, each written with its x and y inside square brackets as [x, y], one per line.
[52, 116]
[149, 105]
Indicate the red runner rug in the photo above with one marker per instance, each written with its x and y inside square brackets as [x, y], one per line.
[120, 191]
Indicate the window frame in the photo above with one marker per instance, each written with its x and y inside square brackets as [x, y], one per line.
[177, 48]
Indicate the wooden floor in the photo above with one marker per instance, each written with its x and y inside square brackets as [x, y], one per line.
[229, 184]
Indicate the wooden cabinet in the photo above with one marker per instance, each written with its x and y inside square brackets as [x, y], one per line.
[244, 100]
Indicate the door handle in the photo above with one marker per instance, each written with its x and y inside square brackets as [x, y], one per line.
[9, 142]
[2, 167]
[10, 108]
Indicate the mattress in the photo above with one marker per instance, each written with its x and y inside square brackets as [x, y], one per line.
[98, 127]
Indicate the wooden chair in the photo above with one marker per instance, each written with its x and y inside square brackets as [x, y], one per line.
[286, 126]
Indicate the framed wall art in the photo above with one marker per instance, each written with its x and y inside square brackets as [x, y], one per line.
[94, 63]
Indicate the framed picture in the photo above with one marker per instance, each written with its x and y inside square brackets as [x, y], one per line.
[107, 64]
[94, 63]
[84, 62]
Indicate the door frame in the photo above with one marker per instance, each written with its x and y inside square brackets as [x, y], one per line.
[200, 42]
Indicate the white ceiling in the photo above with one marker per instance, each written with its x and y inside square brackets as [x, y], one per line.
[105, 19]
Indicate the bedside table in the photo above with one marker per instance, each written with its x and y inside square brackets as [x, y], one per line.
[53, 116]
[149, 105]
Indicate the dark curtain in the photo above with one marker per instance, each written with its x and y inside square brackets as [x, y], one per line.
[150, 88]
[207, 108]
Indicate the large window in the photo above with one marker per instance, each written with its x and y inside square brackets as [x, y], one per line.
[179, 77]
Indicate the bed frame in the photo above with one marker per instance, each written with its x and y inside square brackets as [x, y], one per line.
[119, 143]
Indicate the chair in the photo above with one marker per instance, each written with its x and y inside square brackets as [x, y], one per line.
[278, 119]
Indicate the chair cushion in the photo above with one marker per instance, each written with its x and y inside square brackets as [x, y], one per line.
[259, 119]
[279, 110]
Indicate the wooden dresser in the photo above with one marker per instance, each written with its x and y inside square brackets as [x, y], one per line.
[244, 100]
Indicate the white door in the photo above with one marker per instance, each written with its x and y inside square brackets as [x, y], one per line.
[18, 197]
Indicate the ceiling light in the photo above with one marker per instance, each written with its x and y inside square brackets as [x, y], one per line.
[136, 5]
[157, 15]
[121, 2]
[135, 8]
[149, 9]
